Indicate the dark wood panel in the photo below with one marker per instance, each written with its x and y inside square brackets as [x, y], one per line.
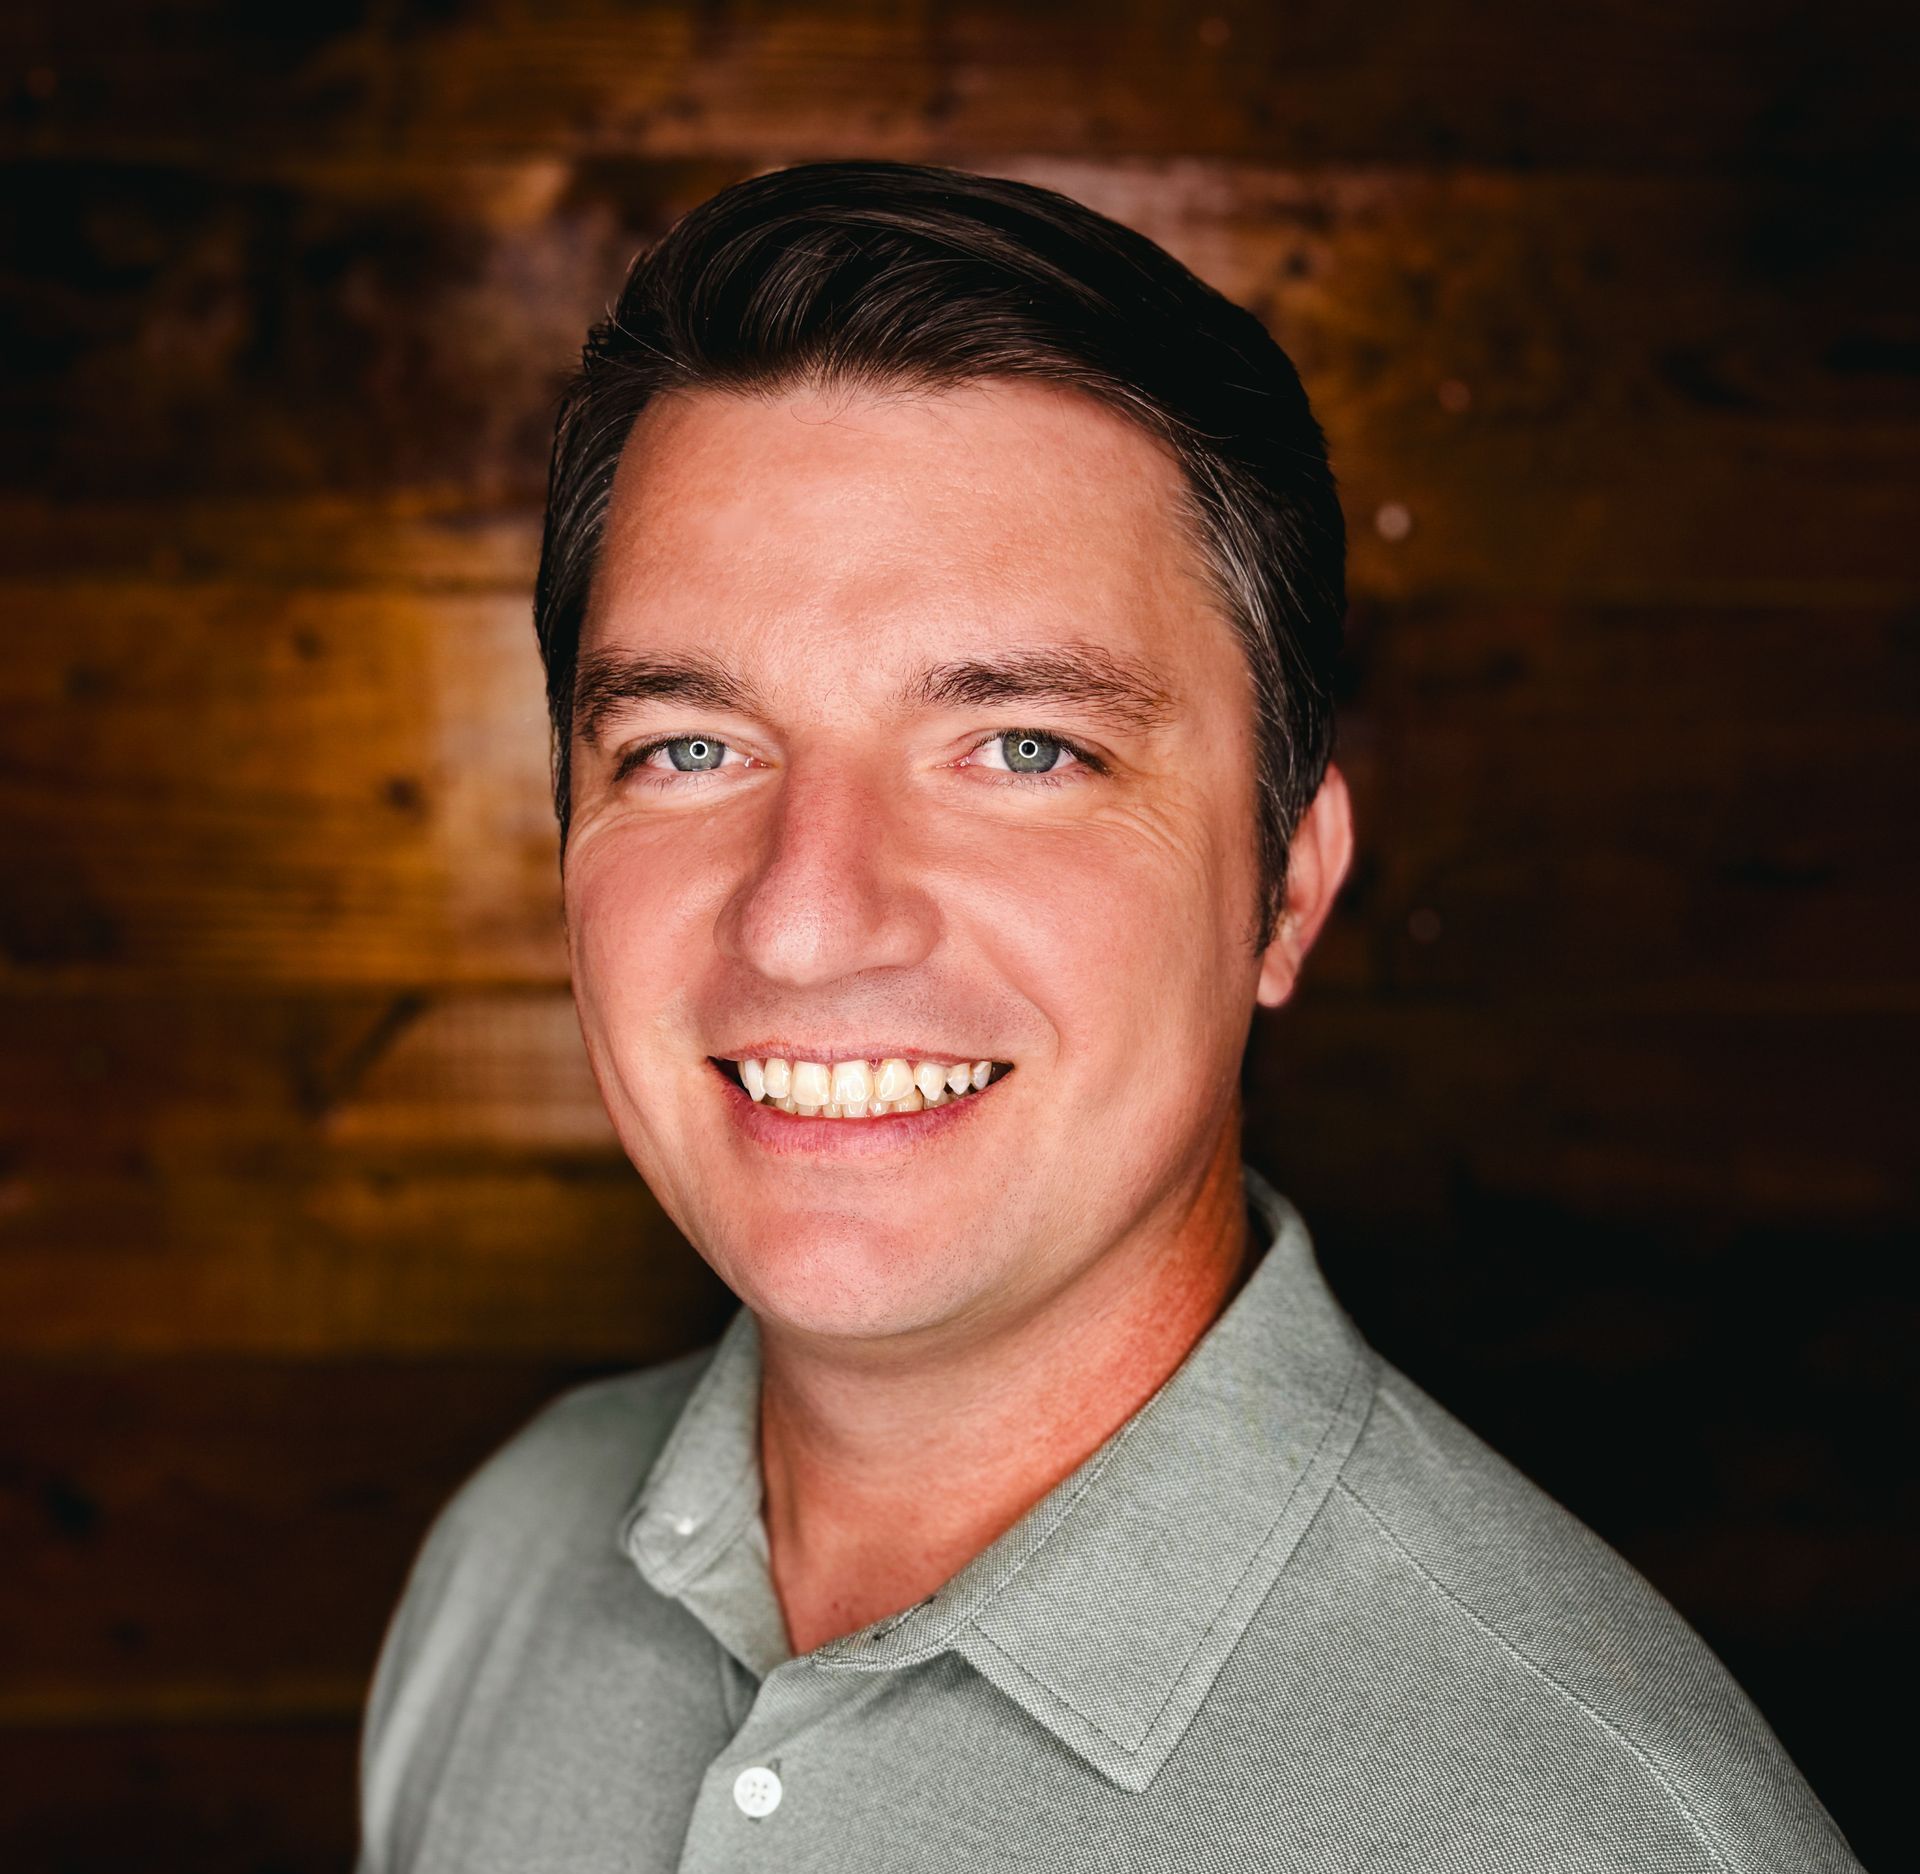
[1627, 1108]
[367, 1256]
[436, 540]
[1641, 669]
[211, 1542]
[1581, 387]
[185, 1174]
[181, 332]
[200, 778]
[246, 1083]
[1503, 82]
[230, 783]
[1595, 1097]
[1687, 1124]
[212, 1799]
[1637, 803]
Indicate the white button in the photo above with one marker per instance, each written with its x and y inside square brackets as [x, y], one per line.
[757, 1791]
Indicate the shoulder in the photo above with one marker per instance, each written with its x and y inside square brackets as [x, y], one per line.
[1514, 1600]
[534, 1527]
[577, 1460]
[556, 1489]
[546, 1504]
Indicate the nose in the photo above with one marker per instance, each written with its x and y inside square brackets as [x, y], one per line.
[835, 887]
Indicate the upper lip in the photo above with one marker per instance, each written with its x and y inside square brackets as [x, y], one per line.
[849, 1051]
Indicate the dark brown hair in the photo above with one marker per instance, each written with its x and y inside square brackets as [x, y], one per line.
[903, 275]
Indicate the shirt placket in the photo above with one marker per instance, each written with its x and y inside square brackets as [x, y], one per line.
[777, 1768]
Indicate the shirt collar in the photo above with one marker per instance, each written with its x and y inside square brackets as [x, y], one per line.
[1107, 1611]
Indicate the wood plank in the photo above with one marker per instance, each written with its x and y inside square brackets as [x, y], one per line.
[318, 334]
[1704, 84]
[452, 1185]
[1576, 387]
[382, 541]
[231, 784]
[205, 1541]
[366, 1256]
[1674, 1122]
[198, 779]
[1637, 802]
[249, 1082]
[262, 1088]
[1617, 397]
[236, 1798]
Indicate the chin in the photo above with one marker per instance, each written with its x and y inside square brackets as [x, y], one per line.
[847, 1279]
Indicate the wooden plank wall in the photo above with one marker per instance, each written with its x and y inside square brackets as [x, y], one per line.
[1598, 1097]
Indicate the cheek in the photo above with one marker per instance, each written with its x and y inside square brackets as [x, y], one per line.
[632, 907]
[1126, 932]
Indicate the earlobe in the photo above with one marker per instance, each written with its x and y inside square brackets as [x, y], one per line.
[1279, 965]
[1318, 860]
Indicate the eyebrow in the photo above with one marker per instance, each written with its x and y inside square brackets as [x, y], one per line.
[1083, 677]
[607, 680]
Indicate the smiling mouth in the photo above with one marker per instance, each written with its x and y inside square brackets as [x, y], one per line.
[860, 1089]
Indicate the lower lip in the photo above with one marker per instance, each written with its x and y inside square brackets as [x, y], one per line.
[790, 1134]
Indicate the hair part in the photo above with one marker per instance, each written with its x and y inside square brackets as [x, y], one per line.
[887, 277]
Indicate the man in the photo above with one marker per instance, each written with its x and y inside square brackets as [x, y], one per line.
[939, 594]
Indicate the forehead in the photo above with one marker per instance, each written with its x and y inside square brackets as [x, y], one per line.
[1006, 511]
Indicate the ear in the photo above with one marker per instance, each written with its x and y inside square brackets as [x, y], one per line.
[1317, 863]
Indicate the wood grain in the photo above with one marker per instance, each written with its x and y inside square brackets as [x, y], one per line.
[1639, 803]
[254, 1797]
[199, 778]
[1500, 83]
[377, 1257]
[194, 1542]
[1574, 387]
[1595, 1096]
[255, 1178]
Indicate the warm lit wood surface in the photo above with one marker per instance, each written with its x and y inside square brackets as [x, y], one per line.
[1598, 1097]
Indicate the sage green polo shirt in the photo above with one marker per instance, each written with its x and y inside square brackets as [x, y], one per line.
[1291, 1615]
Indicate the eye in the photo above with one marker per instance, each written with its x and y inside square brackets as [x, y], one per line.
[685, 754]
[1029, 751]
[694, 754]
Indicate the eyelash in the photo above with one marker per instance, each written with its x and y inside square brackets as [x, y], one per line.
[1083, 756]
[635, 760]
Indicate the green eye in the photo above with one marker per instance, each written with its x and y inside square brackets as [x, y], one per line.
[1024, 752]
[692, 754]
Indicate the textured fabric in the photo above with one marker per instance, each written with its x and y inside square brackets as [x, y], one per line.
[1290, 1616]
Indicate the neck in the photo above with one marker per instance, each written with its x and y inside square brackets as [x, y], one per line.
[849, 1448]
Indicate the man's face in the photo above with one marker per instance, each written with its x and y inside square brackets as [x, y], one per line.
[840, 655]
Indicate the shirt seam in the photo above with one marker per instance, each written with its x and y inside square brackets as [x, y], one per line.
[1357, 1364]
[1354, 1369]
[937, 1644]
[933, 1646]
[1593, 1713]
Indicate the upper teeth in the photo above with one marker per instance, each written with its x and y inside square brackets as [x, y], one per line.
[858, 1090]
